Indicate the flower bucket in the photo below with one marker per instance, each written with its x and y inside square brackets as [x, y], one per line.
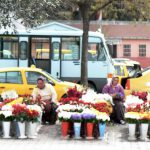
[21, 126]
[6, 129]
[132, 128]
[143, 131]
[77, 129]
[89, 127]
[31, 129]
[64, 128]
[102, 127]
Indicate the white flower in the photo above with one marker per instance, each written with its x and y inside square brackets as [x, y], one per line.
[65, 115]
[88, 111]
[11, 94]
[103, 117]
[7, 108]
[105, 97]
[35, 107]
[6, 113]
[69, 107]
[89, 96]
[133, 100]
[132, 115]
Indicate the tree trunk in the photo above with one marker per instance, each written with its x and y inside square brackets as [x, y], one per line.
[84, 9]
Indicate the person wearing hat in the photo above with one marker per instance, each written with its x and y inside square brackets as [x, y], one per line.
[117, 92]
[45, 95]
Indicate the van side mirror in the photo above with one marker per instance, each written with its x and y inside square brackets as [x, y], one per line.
[138, 74]
[52, 83]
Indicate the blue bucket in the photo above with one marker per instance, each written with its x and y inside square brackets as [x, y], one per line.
[102, 127]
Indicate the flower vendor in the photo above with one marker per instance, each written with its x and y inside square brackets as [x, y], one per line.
[45, 95]
[117, 93]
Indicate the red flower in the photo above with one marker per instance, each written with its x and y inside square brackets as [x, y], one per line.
[101, 107]
[73, 92]
[141, 95]
[5, 101]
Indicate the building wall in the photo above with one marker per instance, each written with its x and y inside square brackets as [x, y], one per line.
[145, 60]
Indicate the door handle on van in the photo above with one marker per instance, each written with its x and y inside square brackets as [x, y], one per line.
[2, 87]
[30, 88]
[76, 63]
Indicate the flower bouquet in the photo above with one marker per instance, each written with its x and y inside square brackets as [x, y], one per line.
[144, 123]
[20, 112]
[102, 118]
[140, 94]
[76, 117]
[6, 117]
[132, 117]
[28, 99]
[10, 94]
[33, 113]
[65, 117]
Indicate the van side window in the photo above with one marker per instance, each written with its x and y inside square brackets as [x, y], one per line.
[32, 77]
[13, 77]
[70, 48]
[93, 51]
[9, 47]
[2, 77]
[119, 71]
[56, 52]
[23, 50]
[40, 47]
[101, 53]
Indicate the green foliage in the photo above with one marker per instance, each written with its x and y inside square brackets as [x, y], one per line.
[3, 118]
[132, 121]
[128, 10]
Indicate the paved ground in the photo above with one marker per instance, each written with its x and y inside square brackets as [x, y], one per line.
[49, 137]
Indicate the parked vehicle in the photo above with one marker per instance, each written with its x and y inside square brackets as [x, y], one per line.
[23, 80]
[132, 66]
[141, 82]
[55, 38]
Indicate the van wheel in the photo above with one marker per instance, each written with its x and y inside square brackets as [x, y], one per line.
[92, 86]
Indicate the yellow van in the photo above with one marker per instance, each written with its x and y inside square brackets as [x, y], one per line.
[23, 80]
[44, 53]
[121, 71]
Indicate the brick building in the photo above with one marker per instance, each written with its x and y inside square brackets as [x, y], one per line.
[127, 39]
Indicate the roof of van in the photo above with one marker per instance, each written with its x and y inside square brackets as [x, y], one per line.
[126, 61]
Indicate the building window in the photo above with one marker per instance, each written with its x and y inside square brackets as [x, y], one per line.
[142, 50]
[127, 50]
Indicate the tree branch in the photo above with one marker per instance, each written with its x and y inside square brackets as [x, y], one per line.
[101, 7]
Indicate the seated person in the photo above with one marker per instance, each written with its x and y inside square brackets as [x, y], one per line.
[45, 95]
[117, 92]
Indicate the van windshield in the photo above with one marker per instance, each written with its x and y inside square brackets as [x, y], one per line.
[132, 70]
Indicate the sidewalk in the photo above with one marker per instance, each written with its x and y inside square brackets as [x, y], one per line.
[49, 137]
